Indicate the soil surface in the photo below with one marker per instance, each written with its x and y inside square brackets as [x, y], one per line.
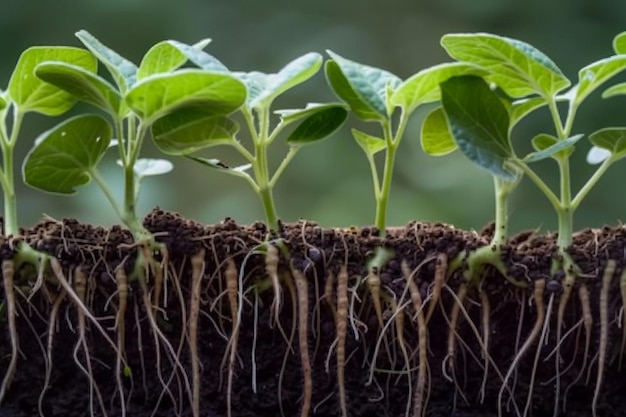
[492, 344]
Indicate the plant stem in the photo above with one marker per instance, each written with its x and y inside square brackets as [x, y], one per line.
[565, 212]
[11, 226]
[261, 170]
[502, 191]
[591, 182]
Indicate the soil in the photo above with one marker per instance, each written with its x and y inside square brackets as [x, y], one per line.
[464, 379]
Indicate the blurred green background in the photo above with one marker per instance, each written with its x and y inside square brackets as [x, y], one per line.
[330, 182]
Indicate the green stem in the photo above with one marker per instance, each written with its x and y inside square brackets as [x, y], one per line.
[279, 171]
[543, 187]
[565, 212]
[106, 191]
[502, 191]
[261, 170]
[11, 226]
[591, 182]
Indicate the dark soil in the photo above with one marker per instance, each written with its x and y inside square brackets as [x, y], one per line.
[317, 252]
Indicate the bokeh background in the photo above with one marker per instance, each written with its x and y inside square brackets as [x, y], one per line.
[330, 182]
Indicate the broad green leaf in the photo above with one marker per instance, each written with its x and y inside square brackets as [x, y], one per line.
[255, 83]
[30, 93]
[364, 88]
[612, 139]
[517, 67]
[619, 43]
[82, 84]
[594, 75]
[436, 138]
[423, 87]
[219, 165]
[318, 122]
[160, 94]
[371, 145]
[616, 90]
[523, 107]
[296, 72]
[189, 130]
[479, 122]
[123, 71]
[164, 57]
[547, 146]
[147, 167]
[63, 157]
[195, 54]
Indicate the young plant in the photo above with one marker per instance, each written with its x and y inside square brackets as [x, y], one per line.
[375, 95]
[67, 156]
[183, 133]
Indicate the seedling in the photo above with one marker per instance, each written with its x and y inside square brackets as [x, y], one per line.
[185, 132]
[375, 95]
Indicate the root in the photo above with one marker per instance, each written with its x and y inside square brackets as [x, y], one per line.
[342, 331]
[271, 269]
[232, 290]
[303, 309]
[540, 286]
[294, 312]
[197, 272]
[440, 277]
[454, 319]
[484, 302]
[398, 312]
[122, 296]
[609, 271]
[568, 285]
[8, 272]
[622, 286]
[583, 296]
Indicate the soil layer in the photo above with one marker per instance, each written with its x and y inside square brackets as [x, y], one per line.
[493, 344]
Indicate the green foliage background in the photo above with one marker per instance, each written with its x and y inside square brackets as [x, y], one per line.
[330, 182]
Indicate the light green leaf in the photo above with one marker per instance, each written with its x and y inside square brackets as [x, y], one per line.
[219, 165]
[164, 57]
[30, 93]
[616, 90]
[123, 71]
[296, 72]
[317, 122]
[594, 75]
[255, 83]
[63, 157]
[3, 101]
[371, 145]
[436, 138]
[619, 43]
[548, 146]
[523, 107]
[82, 84]
[423, 87]
[189, 130]
[517, 67]
[479, 123]
[364, 88]
[195, 54]
[160, 94]
[147, 167]
[612, 139]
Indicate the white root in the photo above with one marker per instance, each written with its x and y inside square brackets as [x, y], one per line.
[484, 302]
[568, 285]
[232, 290]
[398, 312]
[609, 271]
[303, 309]
[441, 268]
[197, 272]
[8, 272]
[342, 331]
[294, 313]
[271, 269]
[120, 324]
[450, 358]
[540, 286]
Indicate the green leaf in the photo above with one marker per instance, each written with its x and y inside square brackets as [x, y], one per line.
[436, 138]
[616, 90]
[3, 102]
[423, 87]
[63, 157]
[317, 122]
[160, 94]
[619, 43]
[612, 139]
[548, 146]
[364, 88]
[123, 71]
[189, 130]
[517, 67]
[30, 93]
[82, 84]
[147, 167]
[371, 145]
[296, 72]
[195, 54]
[164, 57]
[523, 107]
[594, 75]
[479, 123]
[219, 165]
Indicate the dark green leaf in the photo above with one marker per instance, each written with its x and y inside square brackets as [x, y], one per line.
[619, 43]
[160, 94]
[188, 130]
[423, 87]
[82, 84]
[594, 75]
[364, 88]
[613, 139]
[517, 67]
[479, 123]
[319, 122]
[30, 93]
[436, 137]
[64, 156]
[371, 145]
[547, 146]
[123, 71]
